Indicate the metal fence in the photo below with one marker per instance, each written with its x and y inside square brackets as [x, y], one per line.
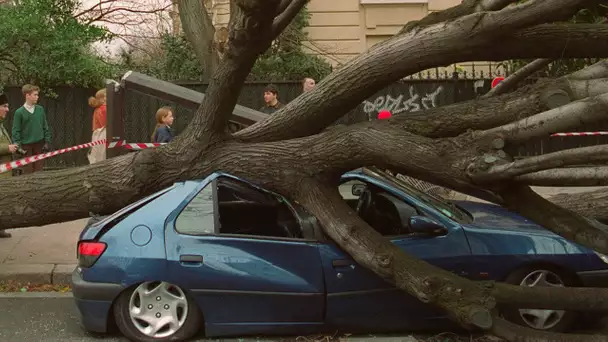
[401, 98]
[70, 116]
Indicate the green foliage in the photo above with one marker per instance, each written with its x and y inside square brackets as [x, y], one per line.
[42, 43]
[174, 61]
[561, 67]
[284, 60]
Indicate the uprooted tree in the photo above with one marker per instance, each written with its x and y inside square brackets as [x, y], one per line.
[460, 146]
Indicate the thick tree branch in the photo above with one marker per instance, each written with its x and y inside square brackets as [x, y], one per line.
[573, 176]
[286, 15]
[250, 34]
[487, 114]
[27, 204]
[283, 5]
[512, 81]
[425, 282]
[199, 30]
[310, 113]
[572, 115]
[597, 70]
[564, 222]
[573, 156]
[467, 302]
[588, 204]
[493, 5]
[466, 7]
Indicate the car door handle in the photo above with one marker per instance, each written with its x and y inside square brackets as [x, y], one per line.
[191, 259]
[342, 263]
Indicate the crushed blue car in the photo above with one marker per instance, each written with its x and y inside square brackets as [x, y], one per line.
[225, 256]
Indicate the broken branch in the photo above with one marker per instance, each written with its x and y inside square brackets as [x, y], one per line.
[286, 15]
[512, 81]
[250, 34]
[198, 28]
[589, 110]
[573, 156]
[561, 221]
[575, 176]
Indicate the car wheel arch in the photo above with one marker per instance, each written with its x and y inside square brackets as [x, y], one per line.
[111, 322]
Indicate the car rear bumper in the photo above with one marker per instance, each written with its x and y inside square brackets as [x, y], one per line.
[94, 301]
[598, 278]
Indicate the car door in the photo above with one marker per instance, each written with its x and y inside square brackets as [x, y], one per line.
[359, 299]
[242, 281]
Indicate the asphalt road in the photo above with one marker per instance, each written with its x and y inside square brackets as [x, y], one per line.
[33, 317]
[43, 319]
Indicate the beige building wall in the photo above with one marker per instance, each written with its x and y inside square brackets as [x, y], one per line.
[341, 29]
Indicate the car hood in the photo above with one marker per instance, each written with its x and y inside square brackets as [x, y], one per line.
[491, 216]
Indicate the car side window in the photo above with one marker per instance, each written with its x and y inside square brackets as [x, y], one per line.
[245, 210]
[389, 215]
[198, 217]
[239, 209]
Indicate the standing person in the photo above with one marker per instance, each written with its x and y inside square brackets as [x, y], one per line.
[31, 131]
[164, 120]
[272, 104]
[308, 84]
[98, 152]
[7, 148]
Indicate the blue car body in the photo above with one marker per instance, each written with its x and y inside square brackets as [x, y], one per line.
[265, 285]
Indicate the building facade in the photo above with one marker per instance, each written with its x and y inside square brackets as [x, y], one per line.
[342, 29]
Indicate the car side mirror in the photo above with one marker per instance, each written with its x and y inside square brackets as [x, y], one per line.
[426, 226]
[358, 189]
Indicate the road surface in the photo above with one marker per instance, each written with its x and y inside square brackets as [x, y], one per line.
[38, 318]
[45, 317]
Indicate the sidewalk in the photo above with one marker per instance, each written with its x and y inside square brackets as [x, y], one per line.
[40, 255]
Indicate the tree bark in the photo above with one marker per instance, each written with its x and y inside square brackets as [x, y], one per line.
[406, 54]
[573, 176]
[589, 204]
[291, 154]
[199, 30]
[512, 81]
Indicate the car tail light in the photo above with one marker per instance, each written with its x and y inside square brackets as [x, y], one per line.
[89, 252]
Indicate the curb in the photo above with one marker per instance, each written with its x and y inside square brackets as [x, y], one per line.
[30, 295]
[56, 274]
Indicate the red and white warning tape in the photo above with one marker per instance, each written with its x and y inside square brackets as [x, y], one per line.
[29, 160]
[133, 146]
[579, 134]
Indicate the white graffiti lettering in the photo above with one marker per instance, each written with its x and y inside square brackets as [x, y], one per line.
[399, 104]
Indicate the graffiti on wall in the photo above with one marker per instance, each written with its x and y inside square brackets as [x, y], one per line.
[400, 104]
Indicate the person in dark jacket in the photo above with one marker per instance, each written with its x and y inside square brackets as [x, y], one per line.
[7, 147]
[164, 120]
[272, 104]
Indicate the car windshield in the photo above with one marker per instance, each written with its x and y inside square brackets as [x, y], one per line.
[447, 208]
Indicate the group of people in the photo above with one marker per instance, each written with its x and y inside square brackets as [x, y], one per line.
[30, 133]
[162, 132]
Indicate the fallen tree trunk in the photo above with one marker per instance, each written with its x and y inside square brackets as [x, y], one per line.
[460, 146]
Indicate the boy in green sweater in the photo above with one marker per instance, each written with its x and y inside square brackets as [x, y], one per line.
[31, 130]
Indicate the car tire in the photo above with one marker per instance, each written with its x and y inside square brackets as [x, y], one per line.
[530, 318]
[132, 328]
